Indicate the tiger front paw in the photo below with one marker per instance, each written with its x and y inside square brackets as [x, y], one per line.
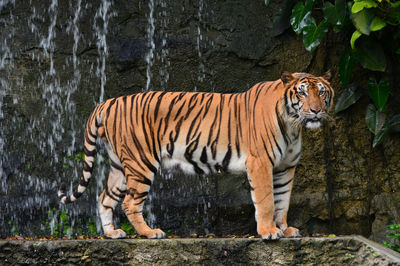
[118, 233]
[292, 232]
[273, 233]
[154, 233]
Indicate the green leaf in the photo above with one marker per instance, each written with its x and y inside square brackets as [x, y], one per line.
[375, 119]
[394, 124]
[361, 4]
[346, 66]
[267, 2]
[335, 14]
[313, 34]
[282, 18]
[379, 93]
[370, 54]
[354, 37]
[348, 97]
[377, 24]
[301, 16]
[362, 20]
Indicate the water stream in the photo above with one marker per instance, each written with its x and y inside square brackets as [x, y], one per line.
[40, 102]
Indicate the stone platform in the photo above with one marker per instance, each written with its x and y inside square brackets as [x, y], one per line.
[354, 250]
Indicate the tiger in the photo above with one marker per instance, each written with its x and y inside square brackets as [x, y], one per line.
[257, 131]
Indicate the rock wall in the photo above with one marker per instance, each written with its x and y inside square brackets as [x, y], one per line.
[342, 184]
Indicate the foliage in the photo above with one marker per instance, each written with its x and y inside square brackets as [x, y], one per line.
[14, 229]
[128, 228]
[394, 234]
[375, 37]
[58, 223]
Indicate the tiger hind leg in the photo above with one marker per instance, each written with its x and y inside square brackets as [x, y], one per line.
[109, 199]
[138, 186]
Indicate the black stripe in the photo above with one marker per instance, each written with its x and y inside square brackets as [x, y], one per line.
[227, 159]
[266, 150]
[277, 201]
[276, 186]
[89, 153]
[145, 181]
[192, 125]
[281, 125]
[121, 195]
[208, 104]
[77, 194]
[89, 141]
[284, 170]
[171, 105]
[170, 146]
[178, 112]
[142, 155]
[189, 153]
[190, 105]
[111, 196]
[91, 134]
[158, 105]
[140, 202]
[83, 182]
[280, 193]
[87, 168]
[140, 195]
[116, 166]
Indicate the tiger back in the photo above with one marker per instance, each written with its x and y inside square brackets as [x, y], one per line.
[257, 131]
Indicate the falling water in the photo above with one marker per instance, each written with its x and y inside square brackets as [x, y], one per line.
[50, 131]
[102, 49]
[151, 45]
[163, 55]
[199, 39]
[46, 123]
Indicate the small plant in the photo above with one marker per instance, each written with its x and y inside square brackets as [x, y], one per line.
[128, 228]
[14, 229]
[92, 228]
[58, 224]
[348, 256]
[394, 235]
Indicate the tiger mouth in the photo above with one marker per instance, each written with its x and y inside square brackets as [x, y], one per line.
[312, 120]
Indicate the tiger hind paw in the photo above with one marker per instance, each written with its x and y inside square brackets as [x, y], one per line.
[155, 233]
[118, 233]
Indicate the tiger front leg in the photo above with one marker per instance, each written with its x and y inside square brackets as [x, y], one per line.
[137, 191]
[283, 182]
[260, 178]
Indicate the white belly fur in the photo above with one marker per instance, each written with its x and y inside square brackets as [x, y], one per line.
[236, 165]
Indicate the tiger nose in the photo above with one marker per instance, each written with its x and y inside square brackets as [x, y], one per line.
[316, 111]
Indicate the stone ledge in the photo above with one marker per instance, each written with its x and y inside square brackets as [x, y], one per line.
[296, 251]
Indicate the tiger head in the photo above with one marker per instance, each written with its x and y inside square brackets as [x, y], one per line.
[307, 98]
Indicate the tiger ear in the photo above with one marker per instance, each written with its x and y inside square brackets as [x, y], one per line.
[327, 75]
[286, 77]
